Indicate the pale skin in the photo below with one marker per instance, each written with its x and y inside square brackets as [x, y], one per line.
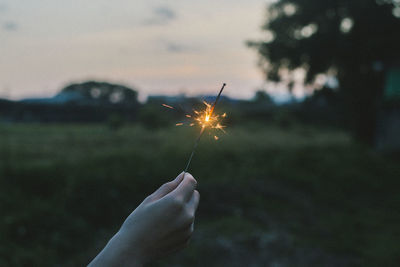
[162, 224]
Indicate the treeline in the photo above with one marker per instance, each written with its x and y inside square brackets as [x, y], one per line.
[62, 113]
[97, 102]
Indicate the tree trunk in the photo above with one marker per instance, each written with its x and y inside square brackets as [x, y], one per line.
[363, 90]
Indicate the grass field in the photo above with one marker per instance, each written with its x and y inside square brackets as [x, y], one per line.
[299, 196]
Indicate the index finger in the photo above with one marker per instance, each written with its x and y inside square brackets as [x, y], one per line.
[186, 187]
[168, 187]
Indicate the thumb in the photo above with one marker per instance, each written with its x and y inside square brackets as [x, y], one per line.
[167, 187]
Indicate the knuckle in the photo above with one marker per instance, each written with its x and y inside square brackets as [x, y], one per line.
[189, 217]
[166, 185]
[177, 203]
[148, 199]
[192, 181]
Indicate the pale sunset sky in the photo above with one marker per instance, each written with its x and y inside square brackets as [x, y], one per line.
[158, 47]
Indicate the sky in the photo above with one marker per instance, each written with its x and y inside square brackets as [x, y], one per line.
[157, 47]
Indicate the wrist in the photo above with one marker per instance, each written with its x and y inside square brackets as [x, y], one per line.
[119, 252]
[127, 249]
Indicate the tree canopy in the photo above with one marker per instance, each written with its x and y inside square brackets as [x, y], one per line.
[319, 35]
[354, 39]
[101, 93]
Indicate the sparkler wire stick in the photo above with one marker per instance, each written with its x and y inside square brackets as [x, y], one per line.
[202, 130]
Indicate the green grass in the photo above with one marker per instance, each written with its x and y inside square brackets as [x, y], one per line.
[296, 197]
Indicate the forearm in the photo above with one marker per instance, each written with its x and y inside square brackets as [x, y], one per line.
[161, 224]
[116, 253]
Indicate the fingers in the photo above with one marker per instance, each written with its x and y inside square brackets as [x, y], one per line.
[167, 187]
[194, 201]
[186, 187]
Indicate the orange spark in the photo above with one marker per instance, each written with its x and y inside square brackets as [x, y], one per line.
[179, 124]
[188, 116]
[216, 137]
[219, 127]
[167, 106]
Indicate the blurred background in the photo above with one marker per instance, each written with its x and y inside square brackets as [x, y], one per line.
[307, 173]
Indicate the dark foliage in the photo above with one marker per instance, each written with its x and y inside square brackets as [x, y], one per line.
[86, 102]
[100, 93]
[356, 39]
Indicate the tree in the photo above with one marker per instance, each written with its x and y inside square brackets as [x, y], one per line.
[355, 39]
[262, 97]
[100, 93]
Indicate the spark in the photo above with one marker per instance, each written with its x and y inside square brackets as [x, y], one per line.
[188, 116]
[206, 118]
[168, 106]
[219, 127]
[216, 137]
[179, 124]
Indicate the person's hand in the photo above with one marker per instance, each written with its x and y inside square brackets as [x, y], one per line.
[161, 224]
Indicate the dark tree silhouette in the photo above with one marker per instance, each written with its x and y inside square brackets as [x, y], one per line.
[262, 97]
[100, 93]
[355, 39]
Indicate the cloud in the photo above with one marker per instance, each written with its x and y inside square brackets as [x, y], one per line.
[10, 26]
[173, 47]
[161, 16]
[165, 13]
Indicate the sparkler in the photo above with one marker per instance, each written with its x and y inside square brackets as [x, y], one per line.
[205, 119]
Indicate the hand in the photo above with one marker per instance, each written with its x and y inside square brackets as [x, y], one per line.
[163, 223]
